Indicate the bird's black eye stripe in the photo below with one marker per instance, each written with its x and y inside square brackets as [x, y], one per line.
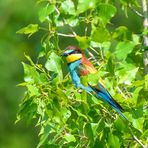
[71, 52]
[75, 51]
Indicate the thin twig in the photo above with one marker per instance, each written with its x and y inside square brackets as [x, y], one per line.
[93, 57]
[121, 92]
[136, 139]
[86, 28]
[58, 12]
[67, 35]
[72, 31]
[94, 50]
[109, 113]
[134, 10]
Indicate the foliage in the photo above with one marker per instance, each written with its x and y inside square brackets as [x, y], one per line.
[66, 117]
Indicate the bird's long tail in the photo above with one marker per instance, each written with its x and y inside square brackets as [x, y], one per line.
[103, 94]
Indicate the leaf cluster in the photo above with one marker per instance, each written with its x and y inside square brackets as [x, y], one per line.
[67, 117]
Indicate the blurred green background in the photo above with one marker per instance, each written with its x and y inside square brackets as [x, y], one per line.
[15, 14]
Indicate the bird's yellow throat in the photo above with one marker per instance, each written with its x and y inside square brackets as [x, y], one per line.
[73, 57]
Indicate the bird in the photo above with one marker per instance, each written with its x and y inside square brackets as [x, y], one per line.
[78, 66]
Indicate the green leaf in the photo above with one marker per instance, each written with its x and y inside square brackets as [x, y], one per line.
[94, 127]
[88, 132]
[44, 136]
[106, 12]
[83, 41]
[93, 79]
[27, 108]
[126, 73]
[138, 112]
[33, 90]
[120, 125]
[100, 35]
[54, 64]
[101, 126]
[72, 21]
[113, 141]
[29, 59]
[136, 94]
[111, 66]
[69, 137]
[146, 82]
[120, 33]
[138, 123]
[44, 12]
[84, 5]
[30, 74]
[29, 30]
[68, 7]
[123, 49]
[145, 133]
[145, 32]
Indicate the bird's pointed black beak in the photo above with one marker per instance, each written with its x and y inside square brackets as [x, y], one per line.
[64, 54]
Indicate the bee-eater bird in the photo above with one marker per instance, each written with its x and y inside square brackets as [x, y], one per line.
[78, 66]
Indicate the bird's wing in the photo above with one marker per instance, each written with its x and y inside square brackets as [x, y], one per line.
[82, 70]
[105, 95]
[88, 65]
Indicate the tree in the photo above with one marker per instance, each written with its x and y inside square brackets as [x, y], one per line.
[66, 117]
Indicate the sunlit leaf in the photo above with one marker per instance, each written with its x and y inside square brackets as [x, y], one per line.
[84, 5]
[68, 7]
[69, 137]
[29, 30]
[146, 82]
[113, 141]
[106, 12]
[33, 90]
[123, 49]
[138, 123]
[30, 74]
[54, 64]
[44, 12]
[100, 35]
[120, 33]
[126, 73]
[83, 42]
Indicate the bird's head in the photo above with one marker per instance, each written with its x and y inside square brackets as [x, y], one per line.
[72, 54]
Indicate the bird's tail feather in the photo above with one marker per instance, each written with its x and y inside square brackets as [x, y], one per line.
[108, 98]
[119, 111]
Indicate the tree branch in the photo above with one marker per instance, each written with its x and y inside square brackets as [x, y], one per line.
[134, 137]
[138, 141]
[145, 24]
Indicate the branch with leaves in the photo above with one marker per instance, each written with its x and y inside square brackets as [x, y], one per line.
[66, 116]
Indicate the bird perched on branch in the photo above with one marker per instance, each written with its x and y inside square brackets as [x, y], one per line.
[78, 66]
